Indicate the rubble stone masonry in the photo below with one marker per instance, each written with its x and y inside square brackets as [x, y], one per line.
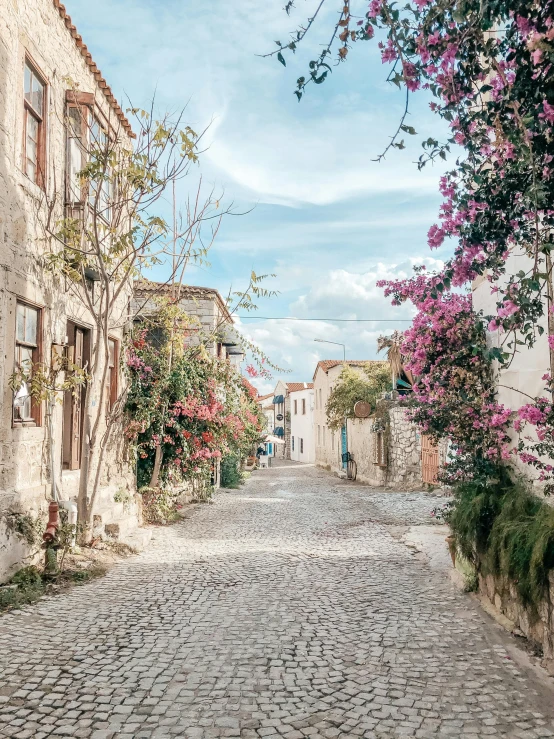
[39, 31]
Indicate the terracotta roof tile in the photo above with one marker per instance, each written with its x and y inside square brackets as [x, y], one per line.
[327, 364]
[80, 44]
[265, 397]
[294, 387]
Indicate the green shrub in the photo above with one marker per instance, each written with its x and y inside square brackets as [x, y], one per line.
[506, 530]
[231, 475]
[30, 587]
[472, 516]
[521, 543]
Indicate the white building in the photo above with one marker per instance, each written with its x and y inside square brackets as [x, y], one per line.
[522, 379]
[329, 444]
[302, 442]
[268, 409]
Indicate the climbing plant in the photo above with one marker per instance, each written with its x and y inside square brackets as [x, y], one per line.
[364, 383]
[488, 67]
[186, 402]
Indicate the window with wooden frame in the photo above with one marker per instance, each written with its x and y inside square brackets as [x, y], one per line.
[27, 353]
[100, 192]
[34, 124]
[112, 388]
[75, 152]
[295, 407]
[86, 133]
[303, 406]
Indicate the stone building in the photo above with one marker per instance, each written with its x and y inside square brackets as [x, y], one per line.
[210, 322]
[387, 449]
[47, 78]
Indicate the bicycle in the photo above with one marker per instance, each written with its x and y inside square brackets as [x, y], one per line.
[351, 466]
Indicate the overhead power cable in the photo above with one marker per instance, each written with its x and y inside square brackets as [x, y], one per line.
[335, 320]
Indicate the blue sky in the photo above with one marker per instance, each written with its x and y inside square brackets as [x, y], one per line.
[326, 219]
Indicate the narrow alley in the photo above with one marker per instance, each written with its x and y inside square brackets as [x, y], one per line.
[288, 608]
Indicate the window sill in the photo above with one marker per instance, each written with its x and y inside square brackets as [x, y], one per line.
[25, 425]
[34, 189]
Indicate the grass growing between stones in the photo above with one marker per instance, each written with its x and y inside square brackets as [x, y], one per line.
[26, 586]
[506, 530]
[29, 584]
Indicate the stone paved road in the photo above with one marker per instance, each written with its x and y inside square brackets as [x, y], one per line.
[285, 609]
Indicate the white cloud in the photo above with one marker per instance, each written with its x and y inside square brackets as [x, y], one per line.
[346, 294]
[320, 169]
[348, 221]
[335, 294]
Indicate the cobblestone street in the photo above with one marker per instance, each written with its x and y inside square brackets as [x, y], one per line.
[288, 608]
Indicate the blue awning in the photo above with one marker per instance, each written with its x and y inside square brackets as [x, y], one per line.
[279, 431]
[278, 399]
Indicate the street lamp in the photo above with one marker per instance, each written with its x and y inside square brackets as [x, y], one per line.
[337, 343]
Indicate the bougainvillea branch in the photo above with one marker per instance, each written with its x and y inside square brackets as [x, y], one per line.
[489, 68]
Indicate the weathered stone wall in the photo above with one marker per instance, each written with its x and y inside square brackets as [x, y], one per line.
[36, 29]
[200, 304]
[537, 626]
[403, 460]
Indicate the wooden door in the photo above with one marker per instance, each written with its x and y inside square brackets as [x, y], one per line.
[429, 460]
[77, 405]
[74, 402]
[343, 446]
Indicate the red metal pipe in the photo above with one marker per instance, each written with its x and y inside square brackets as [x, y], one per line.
[53, 522]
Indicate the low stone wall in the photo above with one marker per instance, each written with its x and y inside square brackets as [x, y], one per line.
[402, 470]
[537, 626]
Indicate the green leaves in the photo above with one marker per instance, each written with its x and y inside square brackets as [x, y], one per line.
[408, 129]
[281, 58]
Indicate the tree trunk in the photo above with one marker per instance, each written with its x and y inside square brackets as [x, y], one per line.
[83, 513]
[51, 444]
[157, 467]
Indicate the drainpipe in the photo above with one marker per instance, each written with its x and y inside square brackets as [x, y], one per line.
[71, 507]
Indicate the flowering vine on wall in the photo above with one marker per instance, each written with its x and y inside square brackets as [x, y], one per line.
[195, 407]
[489, 68]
